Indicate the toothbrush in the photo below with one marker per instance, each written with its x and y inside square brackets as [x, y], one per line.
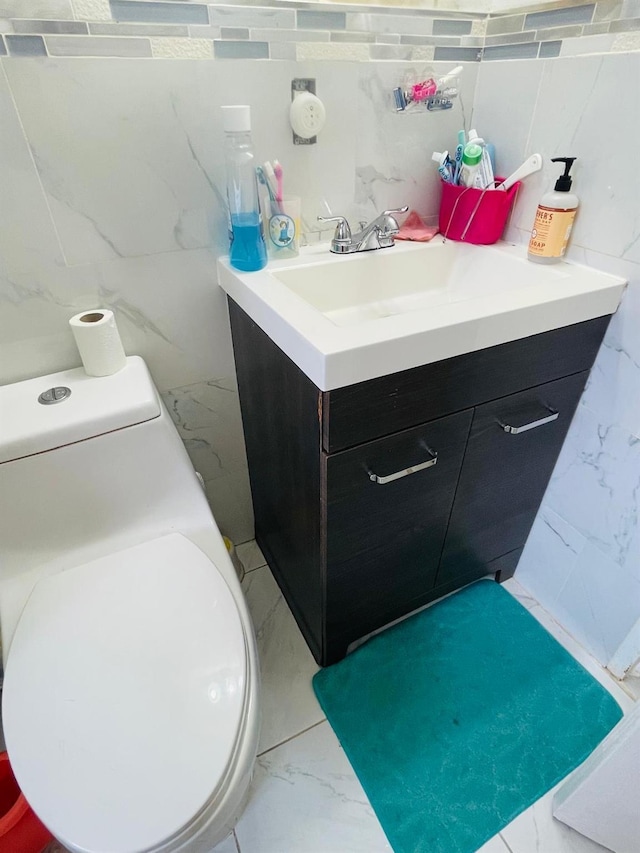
[458, 162]
[462, 140]
[265, 183]
[279, 175]
[531, 165]
[270, 177]
[265, 199]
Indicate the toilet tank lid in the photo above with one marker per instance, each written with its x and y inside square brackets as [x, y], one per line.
[96, 405]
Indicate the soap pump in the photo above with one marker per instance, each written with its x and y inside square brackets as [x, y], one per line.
[554, 218]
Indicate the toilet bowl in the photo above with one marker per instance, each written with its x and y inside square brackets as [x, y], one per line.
[130, 700]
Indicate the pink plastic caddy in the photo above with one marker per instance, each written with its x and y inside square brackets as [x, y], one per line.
[475, 216]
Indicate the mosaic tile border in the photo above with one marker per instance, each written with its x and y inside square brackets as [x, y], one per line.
[602, 27]
[298, 30]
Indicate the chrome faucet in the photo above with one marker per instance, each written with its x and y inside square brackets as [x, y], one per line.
[378, 234]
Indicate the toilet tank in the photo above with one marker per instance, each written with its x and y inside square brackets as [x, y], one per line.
[51, 411]
[100, 470]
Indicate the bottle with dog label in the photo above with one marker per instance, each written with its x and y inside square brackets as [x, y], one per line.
[554, 219]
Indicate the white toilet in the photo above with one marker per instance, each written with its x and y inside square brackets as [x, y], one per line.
[130, 700]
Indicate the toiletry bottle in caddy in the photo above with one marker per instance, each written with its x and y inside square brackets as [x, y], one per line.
[554, 219]
[247, 248]
[471, 161]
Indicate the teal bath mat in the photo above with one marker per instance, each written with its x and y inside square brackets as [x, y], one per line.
[460, 717]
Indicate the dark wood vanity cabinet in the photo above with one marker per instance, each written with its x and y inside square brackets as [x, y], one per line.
[354, 539]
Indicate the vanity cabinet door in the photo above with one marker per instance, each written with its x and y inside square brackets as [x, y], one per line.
[513, 447]
[387, 506]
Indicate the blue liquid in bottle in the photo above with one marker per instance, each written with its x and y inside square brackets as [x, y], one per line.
[247, 251]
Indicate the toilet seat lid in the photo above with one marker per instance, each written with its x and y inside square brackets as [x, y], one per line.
[124, 695]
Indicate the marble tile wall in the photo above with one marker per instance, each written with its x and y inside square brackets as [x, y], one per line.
[582, 559]
[112, 177]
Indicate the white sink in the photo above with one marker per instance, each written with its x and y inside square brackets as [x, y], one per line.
[372, 285]
[345, 319]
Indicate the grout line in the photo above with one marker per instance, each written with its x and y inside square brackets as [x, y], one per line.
[535, 106]
[235, 838]
[254, 569]
[624, 686]
[35, 166]
[248, 542]
[597, 666]
[292, 737]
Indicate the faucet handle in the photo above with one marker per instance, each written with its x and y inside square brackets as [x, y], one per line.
[341, 241]
[343, 232]
[396, 210]
[391, 227]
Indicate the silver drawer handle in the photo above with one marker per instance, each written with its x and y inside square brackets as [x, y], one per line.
[406, 471]
[546, 420]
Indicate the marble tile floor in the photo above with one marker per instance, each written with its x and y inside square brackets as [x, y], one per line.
[305, 796]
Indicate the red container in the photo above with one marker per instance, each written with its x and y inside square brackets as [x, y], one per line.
[20, 829]
[475, 216]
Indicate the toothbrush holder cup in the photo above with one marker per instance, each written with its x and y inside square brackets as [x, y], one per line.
[472, 215]
[283, 227]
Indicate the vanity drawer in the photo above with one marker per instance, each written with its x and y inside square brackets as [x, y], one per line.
[385, 405]
[385, 536]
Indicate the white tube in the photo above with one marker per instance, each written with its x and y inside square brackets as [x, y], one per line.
[98, 342]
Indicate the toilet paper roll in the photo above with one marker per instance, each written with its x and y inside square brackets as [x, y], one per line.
[98, 342]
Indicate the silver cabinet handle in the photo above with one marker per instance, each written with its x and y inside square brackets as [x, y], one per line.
[552, 416]
[406, 471]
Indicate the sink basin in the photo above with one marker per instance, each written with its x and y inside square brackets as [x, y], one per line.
[346, 319]
[372, 285]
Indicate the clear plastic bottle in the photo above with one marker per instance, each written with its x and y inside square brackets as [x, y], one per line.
[247, 248]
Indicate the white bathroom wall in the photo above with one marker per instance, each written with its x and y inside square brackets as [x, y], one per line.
[582, 559]
[112, 182]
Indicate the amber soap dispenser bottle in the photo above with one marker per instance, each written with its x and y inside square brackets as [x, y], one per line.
[554, 219]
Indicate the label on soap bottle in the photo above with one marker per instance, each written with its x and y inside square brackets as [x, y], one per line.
[551, 232]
